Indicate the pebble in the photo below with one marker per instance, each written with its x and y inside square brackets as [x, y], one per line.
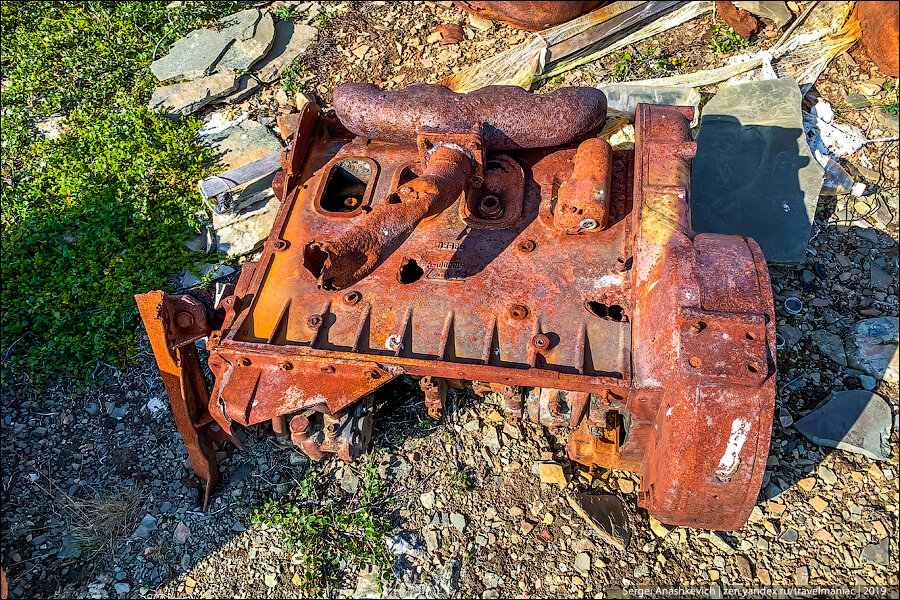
[583, 562]
[458, 521]
[827, 475]
[626, 485]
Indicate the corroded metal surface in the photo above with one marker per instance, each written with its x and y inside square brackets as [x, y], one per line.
[880, 24]
[513, 118]
[528, 14]
[651, 347]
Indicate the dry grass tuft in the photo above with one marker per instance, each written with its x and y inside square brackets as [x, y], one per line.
[105, 521]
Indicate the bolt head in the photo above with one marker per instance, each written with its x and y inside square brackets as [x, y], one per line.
[540, 341]
[588, 224]
[184, 319]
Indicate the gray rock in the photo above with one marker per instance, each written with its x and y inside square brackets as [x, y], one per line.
[181, 535]
[122, 588]
[92, 408]
[642, 570]
[868, 382]
[830, 345]
[754, 174]
[180, 99]
[872, 347]
[427, 500]
[491, 440]
[785, 418]
[491, 580]
[242, 143]
[827, 475]
[791, 336]
[583, 562]
[270, 579]
[192, 56]
[716, 540]
[146, 527]
[243, 232]
[876, 554]
[432, 540]
[253, 33]
[291, 40]
[879, 278]
[458, 521]
[238, 526]
[857, 421]
[789, 536]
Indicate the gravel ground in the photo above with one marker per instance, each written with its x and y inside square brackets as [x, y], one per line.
[97, 500]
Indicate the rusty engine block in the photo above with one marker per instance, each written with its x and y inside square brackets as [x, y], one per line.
[491, 240]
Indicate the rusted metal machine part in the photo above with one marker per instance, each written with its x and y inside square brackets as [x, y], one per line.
[651, 347]
[344, 260]
[528, 14]
[512, 117]
[173, 324]
[584, 198]
[345, 434]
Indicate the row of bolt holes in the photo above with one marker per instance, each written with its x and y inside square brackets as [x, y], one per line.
[695, 361]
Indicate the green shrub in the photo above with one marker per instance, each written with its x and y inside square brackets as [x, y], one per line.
[99, 214]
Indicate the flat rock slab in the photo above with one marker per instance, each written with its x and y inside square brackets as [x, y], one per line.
[192, 56]
[871, 347]
[857, 421]
[830, 345]
[252, 32]
[291, 40]
[754, 174]
[181, 99]
[242, 143]
[247, 230]
[245, 38]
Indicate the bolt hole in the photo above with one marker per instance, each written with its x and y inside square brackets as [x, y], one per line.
[750, 336]
[410, 272]
[752, 369]
[518, 311]
[699, 326]
[612, 312]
